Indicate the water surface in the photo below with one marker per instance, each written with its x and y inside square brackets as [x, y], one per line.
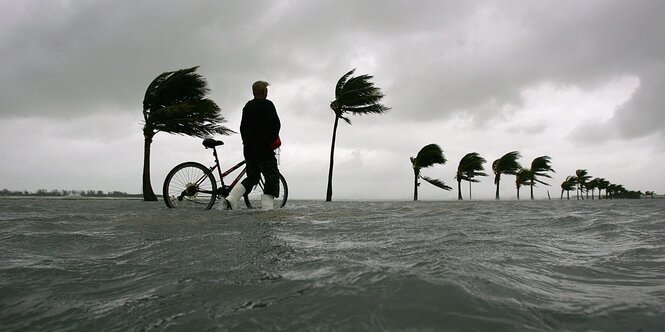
[469, 266]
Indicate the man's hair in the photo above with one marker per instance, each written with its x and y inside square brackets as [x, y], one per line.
[259, 87]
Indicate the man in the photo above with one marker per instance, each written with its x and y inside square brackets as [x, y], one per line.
[259, 129]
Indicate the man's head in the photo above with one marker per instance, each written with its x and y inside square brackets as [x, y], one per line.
[260, 89]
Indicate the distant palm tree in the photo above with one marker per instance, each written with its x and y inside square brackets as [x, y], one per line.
[175, 103]
[470, 166]
[582, 179]
[616, 190]
[592, 185]
[601, 184]
[428, 156]
[355, 95]
[539, 168]
[522, 178]
[507, 164]
[567, 185]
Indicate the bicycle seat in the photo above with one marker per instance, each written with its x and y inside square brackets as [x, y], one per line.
[210, 143]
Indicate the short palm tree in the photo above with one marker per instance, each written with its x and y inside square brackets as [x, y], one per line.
[582, 179]
[522, 178]
[592, 185]
[355, 95]
[540, 167]
[602, 185]
[428, 156]
[470, 166]
[507, 164]
[567, 185]
[175, 103]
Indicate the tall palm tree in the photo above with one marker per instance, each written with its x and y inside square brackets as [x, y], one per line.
[470, 166]
[582, 179]
[570, 183]
[539, 168]
[355, 95]
[507, 164]
[175, 103]
[522, 178]
[428, 156]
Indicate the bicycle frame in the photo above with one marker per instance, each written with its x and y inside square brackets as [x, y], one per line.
[223, 189]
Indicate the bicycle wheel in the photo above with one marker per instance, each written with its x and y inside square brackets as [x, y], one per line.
[253, 197]
[190, 185]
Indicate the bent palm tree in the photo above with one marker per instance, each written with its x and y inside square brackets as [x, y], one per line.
[592, 185]
[507, 164]
[522, 178]
[582, 179]
[428, 156]
[355, 95]
[539, 168]
[470, 166]
[567, 185]
[602, 185]
[175, 103]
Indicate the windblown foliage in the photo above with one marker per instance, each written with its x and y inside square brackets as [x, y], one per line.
[355, 95]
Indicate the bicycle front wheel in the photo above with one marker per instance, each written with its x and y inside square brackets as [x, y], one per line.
[253, 198]
[190, 185]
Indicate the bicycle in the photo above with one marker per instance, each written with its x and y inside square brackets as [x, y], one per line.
[192, 185]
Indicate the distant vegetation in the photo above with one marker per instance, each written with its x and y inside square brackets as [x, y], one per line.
[471, 166]
[65, 193]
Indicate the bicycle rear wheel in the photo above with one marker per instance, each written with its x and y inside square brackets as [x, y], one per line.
[253, 197]
[190, 185]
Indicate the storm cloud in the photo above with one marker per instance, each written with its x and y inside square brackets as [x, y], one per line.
[450, 70]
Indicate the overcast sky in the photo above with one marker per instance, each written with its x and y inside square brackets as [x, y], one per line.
[580, 81]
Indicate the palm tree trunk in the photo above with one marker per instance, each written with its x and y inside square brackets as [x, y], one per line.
[497, 179]
[459, 189]
[148, 193]
[532, 190]
[518, 193]
[416, 174]
[332, 159]
[469, 190]
[562, 194]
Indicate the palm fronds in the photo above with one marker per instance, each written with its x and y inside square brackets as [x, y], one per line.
[436, 182]
[507, 164]
[471, 165]
[357, 95]
[540, 167]
[428, 156]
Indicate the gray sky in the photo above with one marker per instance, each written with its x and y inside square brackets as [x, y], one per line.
[579, 81]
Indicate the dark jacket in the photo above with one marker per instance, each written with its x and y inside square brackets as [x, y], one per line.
[259, 127]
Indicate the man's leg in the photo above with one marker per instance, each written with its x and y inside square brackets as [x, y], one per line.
[240, 189]
[271, 188]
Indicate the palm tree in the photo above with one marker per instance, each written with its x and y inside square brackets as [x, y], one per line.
[601, 185]
[355, 95]
[175, 103]
[522, 178]
[539, 168]
[507, 164]
[470, 166]
[582, 179]
[567, 185]
[428, 156]
[592, 185]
